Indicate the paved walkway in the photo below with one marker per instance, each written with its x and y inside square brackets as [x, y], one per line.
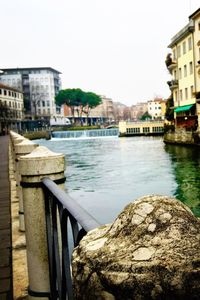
[5, 224]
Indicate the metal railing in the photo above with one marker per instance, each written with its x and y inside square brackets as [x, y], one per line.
[62, 211]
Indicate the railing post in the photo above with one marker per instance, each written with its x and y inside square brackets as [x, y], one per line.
[22, 148]
[40, 163]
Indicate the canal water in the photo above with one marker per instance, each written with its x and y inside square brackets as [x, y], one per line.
[104, 175]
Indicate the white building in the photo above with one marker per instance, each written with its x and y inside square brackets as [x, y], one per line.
[39, 86]
[155, 109]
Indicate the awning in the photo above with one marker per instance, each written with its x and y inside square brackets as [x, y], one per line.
[183, 108]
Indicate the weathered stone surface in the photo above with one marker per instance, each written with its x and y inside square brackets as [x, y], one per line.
[151, 251]
[181, 136]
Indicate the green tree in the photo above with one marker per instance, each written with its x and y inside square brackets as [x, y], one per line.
[78, 100]
[71, 97]
[146, 116]
[91, 100]
[169, 114]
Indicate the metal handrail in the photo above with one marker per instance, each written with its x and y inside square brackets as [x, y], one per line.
[60, 209]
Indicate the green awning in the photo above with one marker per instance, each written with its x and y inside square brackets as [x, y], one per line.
[183, 108]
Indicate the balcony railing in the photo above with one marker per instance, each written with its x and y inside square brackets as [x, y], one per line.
[62, 211]
[172, 66]
[173, 84]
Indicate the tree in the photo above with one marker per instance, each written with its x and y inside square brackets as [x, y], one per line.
[90, 100]
[146, 116]
[169, 114]
[78, 100]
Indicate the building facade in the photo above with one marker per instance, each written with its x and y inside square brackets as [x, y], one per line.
[184, 68]
[156, 109]
[11, 108]
[39, 86]
[138, 110]
[103, 113]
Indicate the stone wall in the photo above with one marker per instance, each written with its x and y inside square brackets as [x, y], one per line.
[151, 251]
[181, 136]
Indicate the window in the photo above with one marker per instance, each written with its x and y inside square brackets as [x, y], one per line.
[43, 103]
[185, 70]
[48, 103]
[5, 92]
[186, 93]
[192, 91]
[184, 47]
[191, 68]
[199, 25]
[180, 73]
[179, 51]
[176, 96]
[189, 43]
[181, 95]
[146, 129]
[174, 54]
[0, 91]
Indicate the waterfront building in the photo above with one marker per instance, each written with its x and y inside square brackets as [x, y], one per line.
[156, 108]
[184, 67]
[11, 108]
[138, 110]
[104, 111]
[153, 127]
[39, 85]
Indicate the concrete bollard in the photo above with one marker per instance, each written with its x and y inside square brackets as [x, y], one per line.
[23, 148]
[40, 163]
[15, 139]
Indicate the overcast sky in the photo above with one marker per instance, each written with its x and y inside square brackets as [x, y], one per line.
[115, 48]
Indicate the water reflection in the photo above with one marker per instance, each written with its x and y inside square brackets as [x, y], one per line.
[186, 166]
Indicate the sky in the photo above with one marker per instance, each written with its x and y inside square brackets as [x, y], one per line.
[115, 48]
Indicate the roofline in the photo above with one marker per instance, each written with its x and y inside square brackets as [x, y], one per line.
[34, 68]
[189, 28]
[4, 86]
[194, 13]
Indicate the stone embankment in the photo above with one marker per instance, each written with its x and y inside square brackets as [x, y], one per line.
[181, 136]
[151, 251]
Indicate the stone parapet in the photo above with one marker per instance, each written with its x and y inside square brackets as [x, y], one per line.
[181, 136]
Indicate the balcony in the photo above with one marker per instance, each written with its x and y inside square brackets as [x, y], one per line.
[173, 84]
[172, 66]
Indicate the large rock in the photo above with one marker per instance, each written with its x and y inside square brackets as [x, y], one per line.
[151, 251]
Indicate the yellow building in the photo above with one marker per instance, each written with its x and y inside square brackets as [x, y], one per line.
[185, 69]
[141, 128]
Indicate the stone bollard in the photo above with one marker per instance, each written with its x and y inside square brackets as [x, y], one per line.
[151, 251]
[22, 148]
[15, 140]
[40, 163]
